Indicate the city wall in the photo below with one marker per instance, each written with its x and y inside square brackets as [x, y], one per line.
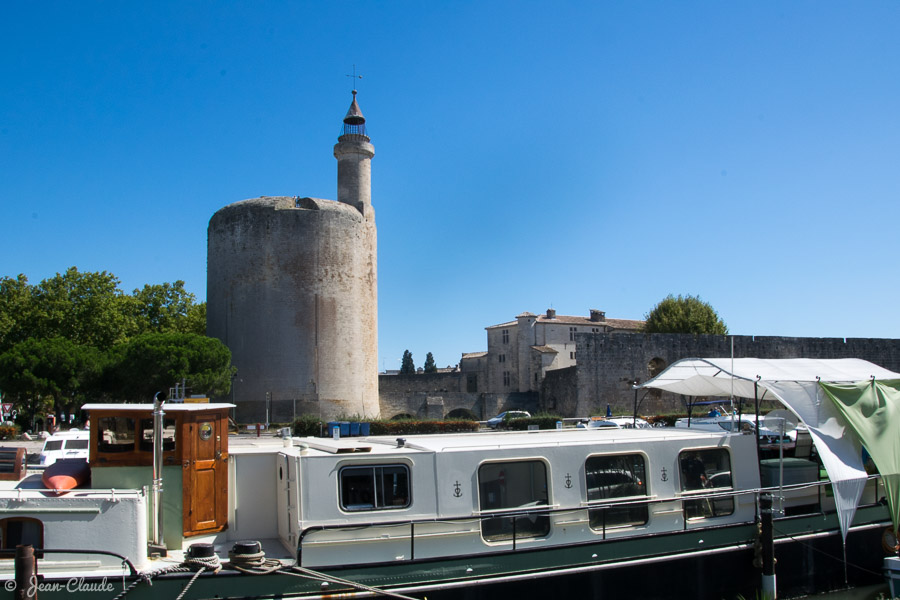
[608, 363]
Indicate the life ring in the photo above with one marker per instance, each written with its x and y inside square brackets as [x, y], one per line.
[889, 542]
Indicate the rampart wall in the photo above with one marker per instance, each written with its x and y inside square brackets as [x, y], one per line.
[608, 363]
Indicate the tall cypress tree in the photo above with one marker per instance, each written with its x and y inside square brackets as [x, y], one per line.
[430, 367]
[407, 366]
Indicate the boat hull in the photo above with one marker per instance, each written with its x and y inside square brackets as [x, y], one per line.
[713, 563]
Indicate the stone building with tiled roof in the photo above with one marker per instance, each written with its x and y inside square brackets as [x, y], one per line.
[521, 352]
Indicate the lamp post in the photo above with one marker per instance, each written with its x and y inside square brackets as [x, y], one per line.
[234, 408]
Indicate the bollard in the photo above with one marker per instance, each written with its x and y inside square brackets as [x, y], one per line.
[258, 429]
[25, 573]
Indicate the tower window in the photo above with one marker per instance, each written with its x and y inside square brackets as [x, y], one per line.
[506, 378]
[501, 358]
[506, 336]
[572, 331]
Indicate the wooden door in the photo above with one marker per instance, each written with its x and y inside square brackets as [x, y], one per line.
[205, 473]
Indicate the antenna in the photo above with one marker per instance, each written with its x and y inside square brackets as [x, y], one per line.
[354, 77]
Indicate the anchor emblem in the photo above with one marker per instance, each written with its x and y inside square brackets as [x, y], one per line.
[457, 492]
[568, 481]
[664, 476]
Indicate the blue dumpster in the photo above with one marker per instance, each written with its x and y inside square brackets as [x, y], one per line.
[354, 428]
[364, 429]
[345, 428]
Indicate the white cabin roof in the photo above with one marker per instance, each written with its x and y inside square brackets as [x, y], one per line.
[499, 440]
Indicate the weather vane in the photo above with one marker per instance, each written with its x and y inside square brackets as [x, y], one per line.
[354, 77]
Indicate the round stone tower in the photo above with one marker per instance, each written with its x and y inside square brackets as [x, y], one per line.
[292, 290]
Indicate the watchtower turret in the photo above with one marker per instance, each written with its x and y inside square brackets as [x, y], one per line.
[354, 155]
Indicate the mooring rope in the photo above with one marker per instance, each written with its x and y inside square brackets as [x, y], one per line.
[254, 563]
[190, 583]
[832, 556]
[311, 574]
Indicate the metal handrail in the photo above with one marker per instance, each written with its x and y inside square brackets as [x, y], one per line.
[546, 510]
[40, 551]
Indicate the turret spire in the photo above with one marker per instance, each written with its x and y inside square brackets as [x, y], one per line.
[354, 115]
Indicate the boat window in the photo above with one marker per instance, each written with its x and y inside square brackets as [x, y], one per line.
[622, 476]
[168, 435]
[381, 487]
[53, 445]
[706, 470]
[76, 444]
[743, 426]
[510, 485]
[17, 531]
[116, 434]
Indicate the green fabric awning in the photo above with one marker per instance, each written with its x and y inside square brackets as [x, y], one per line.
[872, 409]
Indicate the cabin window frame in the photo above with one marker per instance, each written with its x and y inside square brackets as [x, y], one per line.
[704, 508]
[500, 528]
[377, 490]
[599, 518]
[7, 550]
[134, 454]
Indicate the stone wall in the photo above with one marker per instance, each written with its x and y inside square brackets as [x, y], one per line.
[559, 392]
[608, 363]
[436, 395]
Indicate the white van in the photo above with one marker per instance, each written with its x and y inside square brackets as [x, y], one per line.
[65, 444]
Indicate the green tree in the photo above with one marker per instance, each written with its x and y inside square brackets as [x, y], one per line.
[52, 374]
[430, 367]
[168, 308]
[407, 366]
[155, 362]
[86, 308]
[684, 314]
[15, 311]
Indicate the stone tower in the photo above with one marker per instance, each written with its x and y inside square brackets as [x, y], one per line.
[292, 290]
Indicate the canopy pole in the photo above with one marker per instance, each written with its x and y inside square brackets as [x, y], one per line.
[767, 538]
[756, 401]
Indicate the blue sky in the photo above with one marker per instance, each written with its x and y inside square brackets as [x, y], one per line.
[572, 155]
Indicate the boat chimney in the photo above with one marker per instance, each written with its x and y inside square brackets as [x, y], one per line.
[157, 543]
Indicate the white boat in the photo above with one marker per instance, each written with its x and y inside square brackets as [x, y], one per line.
[65, 444]
[426, 515]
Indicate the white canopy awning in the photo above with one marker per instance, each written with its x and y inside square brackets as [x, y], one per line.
[795, 382]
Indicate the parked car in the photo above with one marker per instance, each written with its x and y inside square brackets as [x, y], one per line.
[65, 444]
[629, 422]
[505, 416]
[598, 424]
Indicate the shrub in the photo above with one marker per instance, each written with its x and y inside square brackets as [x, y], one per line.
[9, 432]
[312, 426]
[308, 426]
[421, 427]
[543, 421]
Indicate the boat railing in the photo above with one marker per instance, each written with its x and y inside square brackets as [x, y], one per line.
[40, 552]
[532, 513]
